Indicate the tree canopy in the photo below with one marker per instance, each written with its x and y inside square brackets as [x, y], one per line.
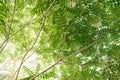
[59, 39]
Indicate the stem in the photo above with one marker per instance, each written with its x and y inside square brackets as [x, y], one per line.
[40, 30]
[63, 58]
[3, 45]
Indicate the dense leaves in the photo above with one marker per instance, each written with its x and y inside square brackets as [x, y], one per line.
[80, 38]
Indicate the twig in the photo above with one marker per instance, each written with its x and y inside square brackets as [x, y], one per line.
[24, 25]
[3, 45]
[30, 49]
[51, 66]
[23, 62]
[21, 27]
[63, 58]
[40, 29]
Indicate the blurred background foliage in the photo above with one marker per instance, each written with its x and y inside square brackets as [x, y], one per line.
[69, 25]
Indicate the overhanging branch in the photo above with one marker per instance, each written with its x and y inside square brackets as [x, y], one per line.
[63, 58]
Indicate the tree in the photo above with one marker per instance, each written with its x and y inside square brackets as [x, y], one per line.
[70, 39]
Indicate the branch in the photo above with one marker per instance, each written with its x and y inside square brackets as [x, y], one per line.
[51, 66]
[3, 45]
[39, 32]
[63, 58]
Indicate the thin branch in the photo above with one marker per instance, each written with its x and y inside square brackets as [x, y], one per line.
[21, 27]
[82, 49]
[63, 58]
[5, 30]
[3, 45]
[72, 54]
[30, 49]
[51, 66]
[23, 62]
[40, 29]
[24, 25]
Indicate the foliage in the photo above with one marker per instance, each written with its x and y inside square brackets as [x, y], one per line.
[80, 38]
